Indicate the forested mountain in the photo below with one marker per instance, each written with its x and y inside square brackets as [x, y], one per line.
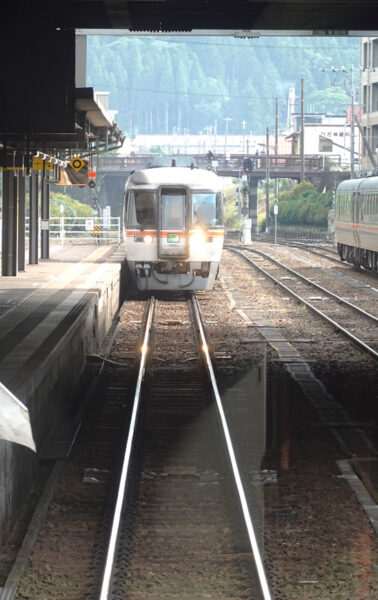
[161, 84]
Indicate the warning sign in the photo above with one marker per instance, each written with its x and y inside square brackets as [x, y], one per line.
[96, 231]
[77, 163]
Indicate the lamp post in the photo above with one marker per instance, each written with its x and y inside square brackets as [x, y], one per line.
[227, 119]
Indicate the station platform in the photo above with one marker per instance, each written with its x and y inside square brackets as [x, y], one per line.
[51, 317]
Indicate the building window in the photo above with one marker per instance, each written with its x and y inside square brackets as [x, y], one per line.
[374, 108]
[325, 145]
[375, 53]
[364, 145]
[365, 56]
[365, 99]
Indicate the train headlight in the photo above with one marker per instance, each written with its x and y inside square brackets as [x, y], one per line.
[198, 238]
[147, 239]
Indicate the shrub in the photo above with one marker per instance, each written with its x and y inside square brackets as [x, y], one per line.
[303, 205]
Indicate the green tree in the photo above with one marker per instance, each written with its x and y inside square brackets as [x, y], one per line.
[71, 207]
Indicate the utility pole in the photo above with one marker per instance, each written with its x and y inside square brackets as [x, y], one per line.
[302, 132]
[352, 129]
[267, 175]
[353, 119]
[276, 179]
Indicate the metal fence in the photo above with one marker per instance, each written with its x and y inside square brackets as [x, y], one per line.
[77, 230]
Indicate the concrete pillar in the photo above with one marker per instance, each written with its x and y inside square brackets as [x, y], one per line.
[21, 220]
[33, 218]
[252, 201]
[45, 214]
[9, 258]
[81, 61]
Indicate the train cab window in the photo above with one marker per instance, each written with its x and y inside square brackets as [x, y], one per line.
[173, 208]
[143, 209]
[207, 209]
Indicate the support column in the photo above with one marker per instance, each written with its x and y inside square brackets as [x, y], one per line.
[252, 201]
[45, 214]
[9, 263]
[33, 218]
[21, 220]
[267, 181]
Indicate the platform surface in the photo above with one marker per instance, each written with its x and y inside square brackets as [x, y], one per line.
[36, 304]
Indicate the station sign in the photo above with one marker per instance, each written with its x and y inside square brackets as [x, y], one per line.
[17, 162]
[38, 164]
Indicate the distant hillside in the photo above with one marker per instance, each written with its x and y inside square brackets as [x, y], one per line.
[161, 84]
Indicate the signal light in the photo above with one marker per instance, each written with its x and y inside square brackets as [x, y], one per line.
[247, 165]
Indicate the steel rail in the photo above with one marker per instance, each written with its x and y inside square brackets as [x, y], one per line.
[334, 324]
[106, 579]
[339, 299]
[247, 517]
[338, 261]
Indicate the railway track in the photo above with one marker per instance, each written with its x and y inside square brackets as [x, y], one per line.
[349, 321]
[181, 525]
[321, 251]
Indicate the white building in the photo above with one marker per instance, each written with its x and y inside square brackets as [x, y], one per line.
[369, 99]
[327, 135]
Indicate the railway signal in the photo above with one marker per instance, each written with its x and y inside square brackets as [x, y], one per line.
[247, 165]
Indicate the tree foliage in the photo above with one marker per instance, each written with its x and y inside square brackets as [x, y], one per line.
[72, 208]
[232, 216]
[191, 84]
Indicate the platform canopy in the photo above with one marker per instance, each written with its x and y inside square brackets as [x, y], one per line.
[239, 17]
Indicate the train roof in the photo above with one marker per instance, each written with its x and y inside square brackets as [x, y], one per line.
[367, 184]
[193, 178]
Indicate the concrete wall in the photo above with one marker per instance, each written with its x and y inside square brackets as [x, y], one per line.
[50, 387]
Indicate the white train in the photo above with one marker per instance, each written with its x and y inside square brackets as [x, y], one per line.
[173, 228]
[356, 222]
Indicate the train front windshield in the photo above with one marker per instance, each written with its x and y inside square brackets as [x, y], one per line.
[207, 209]
[142, 209]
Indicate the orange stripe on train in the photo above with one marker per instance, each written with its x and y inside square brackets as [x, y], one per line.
[154, 233]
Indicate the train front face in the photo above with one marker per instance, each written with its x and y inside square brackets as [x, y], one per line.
[173, 228]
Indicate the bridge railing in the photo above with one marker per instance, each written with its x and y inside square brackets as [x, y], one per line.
[79, 230]
[279, 162]
[234, 162]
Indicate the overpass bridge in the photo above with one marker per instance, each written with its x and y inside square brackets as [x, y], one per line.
[113, 171]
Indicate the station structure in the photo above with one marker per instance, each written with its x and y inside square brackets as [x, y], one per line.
[55, 312]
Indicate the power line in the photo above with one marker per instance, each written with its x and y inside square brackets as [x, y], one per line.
[177, 93]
